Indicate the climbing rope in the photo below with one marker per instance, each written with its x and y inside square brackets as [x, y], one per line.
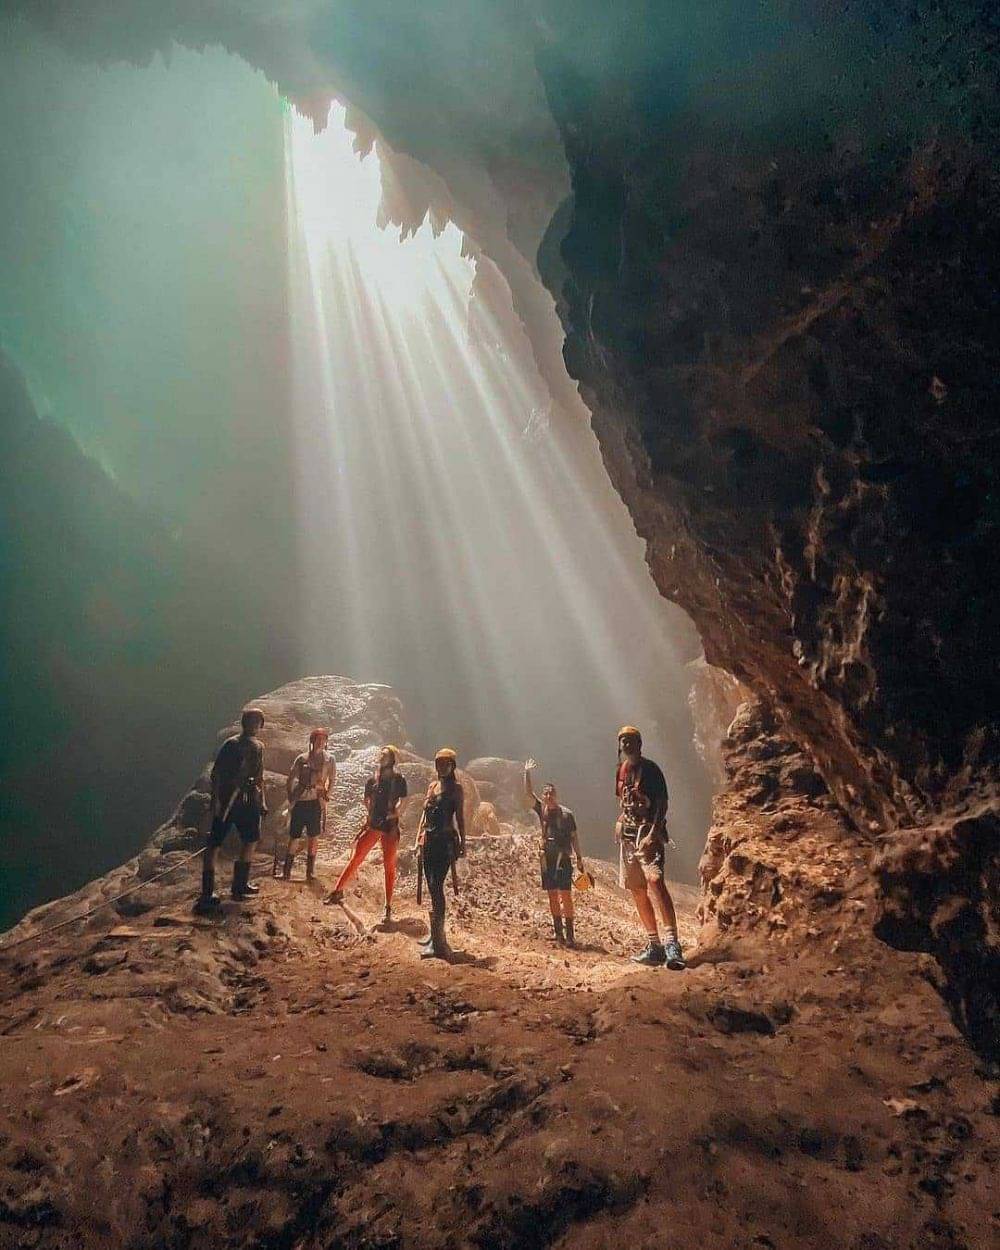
[108, 902]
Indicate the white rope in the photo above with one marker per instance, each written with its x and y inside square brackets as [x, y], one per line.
[108, 902]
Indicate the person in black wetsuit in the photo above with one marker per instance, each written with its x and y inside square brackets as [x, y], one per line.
[440, 841]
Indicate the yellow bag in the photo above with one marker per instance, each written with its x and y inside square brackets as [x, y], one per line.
[584, 881]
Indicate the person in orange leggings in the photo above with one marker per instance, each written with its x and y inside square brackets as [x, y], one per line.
[384, 791]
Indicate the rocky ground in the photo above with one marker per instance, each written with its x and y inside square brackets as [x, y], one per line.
[291, 1075]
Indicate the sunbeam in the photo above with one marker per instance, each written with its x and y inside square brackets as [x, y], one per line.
[452, 541]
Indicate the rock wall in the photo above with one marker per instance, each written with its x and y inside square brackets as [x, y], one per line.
[782, 861]
[785, 329]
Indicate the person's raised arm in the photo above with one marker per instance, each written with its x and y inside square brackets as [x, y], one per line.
[529, 790]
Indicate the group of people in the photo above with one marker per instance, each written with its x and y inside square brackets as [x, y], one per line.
[237, 800]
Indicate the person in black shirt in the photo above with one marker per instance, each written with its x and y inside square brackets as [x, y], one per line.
[641, 833]
[440, 841]
[560, 842]
[237, 799]
[384, 791]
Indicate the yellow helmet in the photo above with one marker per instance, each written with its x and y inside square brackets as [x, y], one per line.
[393, 751]
[629, 731]
[446, 753]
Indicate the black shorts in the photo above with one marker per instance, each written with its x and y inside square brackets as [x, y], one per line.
[245, 816]
[306, 820]
[557, 869]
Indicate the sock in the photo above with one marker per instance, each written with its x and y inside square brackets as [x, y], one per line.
[670, 935]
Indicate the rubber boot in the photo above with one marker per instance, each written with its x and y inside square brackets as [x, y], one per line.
[241, 877]
[438, 946]
[310, 868]
[557, 925]
[570, 937]
[209, 900]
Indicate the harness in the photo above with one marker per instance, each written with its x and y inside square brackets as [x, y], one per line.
[634, 803]
[384, 788]
[310, 777]
[242, 779]
[556, 842]
[439, 813]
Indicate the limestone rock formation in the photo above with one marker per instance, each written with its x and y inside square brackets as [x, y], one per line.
[782, 860]
[714, 698]
[505, 782]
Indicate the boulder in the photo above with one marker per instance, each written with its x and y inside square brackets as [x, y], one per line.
[506, 779]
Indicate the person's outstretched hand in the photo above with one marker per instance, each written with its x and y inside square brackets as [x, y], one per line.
[530, 765]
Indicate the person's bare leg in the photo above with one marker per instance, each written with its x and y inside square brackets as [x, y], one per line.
[312, 845]
[663, 904]
[566, 902]
[646, 914]
[557, 924]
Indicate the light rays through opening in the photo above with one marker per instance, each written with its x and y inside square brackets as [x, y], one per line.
[453, 541]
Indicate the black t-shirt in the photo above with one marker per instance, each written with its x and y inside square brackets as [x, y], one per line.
[384, 795]
[641, 792]
[240, 761]
[558, 826]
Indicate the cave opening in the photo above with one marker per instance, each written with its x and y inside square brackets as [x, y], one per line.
[245, 346]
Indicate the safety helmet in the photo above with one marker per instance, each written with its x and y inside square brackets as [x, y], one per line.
[629, 731]
[446, 753]
[393, 751]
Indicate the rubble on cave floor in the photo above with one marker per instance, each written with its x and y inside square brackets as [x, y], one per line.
[291, 1074]
[278, 1077]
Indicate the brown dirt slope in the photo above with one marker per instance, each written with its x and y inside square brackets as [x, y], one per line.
[290, 1076]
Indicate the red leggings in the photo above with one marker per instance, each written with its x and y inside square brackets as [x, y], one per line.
[390, 845]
